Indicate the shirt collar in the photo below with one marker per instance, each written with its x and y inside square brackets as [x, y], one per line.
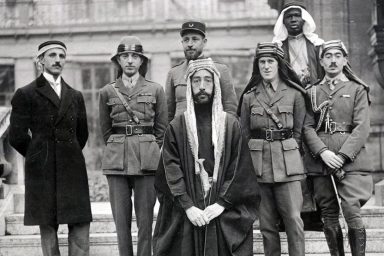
[339, 78]
[275, 83]
[50, 78]
[133, 79]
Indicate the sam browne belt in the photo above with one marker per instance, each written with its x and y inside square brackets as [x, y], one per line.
[271, 135]
[130, 130]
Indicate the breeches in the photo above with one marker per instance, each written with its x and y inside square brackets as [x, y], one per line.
[354, 191]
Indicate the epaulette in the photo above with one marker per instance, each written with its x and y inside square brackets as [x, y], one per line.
[178, 64]
[251, 90]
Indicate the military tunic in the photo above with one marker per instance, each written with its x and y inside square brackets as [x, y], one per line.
[349, 125]
[130, 161]
[176, 86]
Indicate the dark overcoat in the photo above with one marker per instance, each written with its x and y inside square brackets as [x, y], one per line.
[50, 133]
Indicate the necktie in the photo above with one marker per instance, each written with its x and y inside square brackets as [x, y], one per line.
[269, 90]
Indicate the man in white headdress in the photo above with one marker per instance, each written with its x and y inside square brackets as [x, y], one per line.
[294, 32]
[207, 191]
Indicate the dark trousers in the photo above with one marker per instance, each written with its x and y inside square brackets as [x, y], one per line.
[120, 192]
[285, 200]
[354, 191]
[78, 239]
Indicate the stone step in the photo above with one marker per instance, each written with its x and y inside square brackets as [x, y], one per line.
[106, 244]
[103, 221]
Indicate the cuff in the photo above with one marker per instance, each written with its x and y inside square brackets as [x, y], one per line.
[321, 151]
[224, 203]
[185, 201]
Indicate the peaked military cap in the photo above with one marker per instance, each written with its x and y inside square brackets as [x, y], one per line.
[193, 26]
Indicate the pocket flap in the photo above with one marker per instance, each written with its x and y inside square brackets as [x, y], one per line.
[147, 138]
[289, 144]
[257, 110]
[285, 109]
[255, 144]
[146, 99]
[116, 138]
[114, 101]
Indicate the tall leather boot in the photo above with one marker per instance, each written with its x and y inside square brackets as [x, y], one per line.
[334, 237]
[357, 240]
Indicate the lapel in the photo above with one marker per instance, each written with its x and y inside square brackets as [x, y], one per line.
[261, 94]
[45, 89]
[138, 86]
[66, 100]
[121, 87]
[279, 93]
[338, 87]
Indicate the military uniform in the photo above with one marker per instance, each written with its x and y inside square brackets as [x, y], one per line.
[345, 133]
[131, 155]
[277, 161]
[176, 85]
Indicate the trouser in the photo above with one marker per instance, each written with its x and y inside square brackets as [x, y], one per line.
[282, 200]
[354, 191]
[78, 239]
[120, 192]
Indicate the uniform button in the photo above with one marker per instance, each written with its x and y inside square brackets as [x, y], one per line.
[330, 96]
[130, 120]
[330, 108]
[129, 98]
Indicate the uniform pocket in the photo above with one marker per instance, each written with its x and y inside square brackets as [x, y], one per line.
[286, 113]
[149, 153]
[256, 117]
[146, 104]
[113, 157]
[256, 149]
[292, 158]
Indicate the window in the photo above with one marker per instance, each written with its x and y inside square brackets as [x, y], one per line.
[7, 84]
[93, 77]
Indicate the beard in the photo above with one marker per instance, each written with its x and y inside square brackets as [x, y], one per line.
[202, 98]
[192, 55]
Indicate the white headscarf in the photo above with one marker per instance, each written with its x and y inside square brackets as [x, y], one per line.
[280, 31]
[218, 120]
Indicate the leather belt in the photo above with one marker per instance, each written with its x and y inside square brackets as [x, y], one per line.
[336, 127]
[271, 135]
[130, 130]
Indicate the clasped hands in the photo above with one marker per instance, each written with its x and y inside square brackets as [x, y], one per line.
[332, 160]
[200, 217]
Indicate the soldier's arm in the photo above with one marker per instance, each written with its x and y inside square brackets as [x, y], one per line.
[82, 126]
[361, 124]
[228, 93]
[161, 115]
[104, 115]
[298, 118]
[244, 118]
[170, 96]
[20, 122]
[312, 140]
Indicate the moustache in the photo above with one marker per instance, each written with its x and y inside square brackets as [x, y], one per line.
[333, 65]
[200, 93]
[57, 66]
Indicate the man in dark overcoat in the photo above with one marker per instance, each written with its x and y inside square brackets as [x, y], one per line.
[193, 40]
[49, 128]
[294, 32]
[336, 129]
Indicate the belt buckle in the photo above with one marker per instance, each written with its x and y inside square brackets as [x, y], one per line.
[126, 130]
[269, 135]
